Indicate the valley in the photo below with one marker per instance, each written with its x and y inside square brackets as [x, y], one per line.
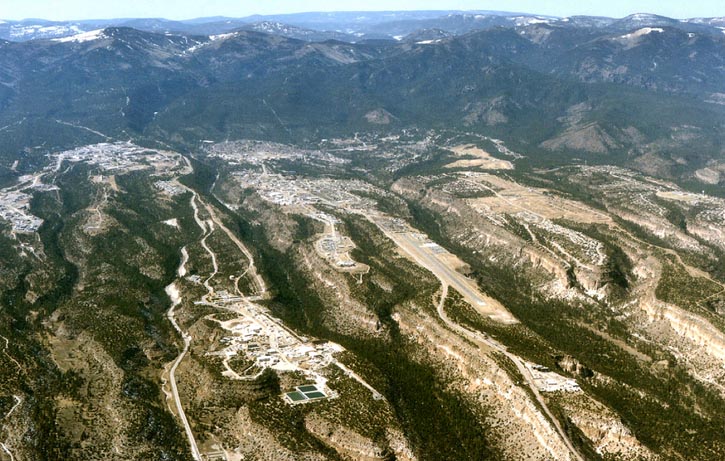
[241, 353]
[390, 236]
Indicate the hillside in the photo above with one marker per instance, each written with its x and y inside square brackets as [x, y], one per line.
[557, 92]
[410, 236]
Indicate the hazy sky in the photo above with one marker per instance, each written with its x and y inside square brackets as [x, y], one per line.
[186, 9]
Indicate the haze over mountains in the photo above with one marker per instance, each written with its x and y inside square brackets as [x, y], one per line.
[355, 26]
[645, 90]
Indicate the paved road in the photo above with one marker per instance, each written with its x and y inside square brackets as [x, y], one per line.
[485, 341]
[18, 399]
[425, 258]
[376, 395]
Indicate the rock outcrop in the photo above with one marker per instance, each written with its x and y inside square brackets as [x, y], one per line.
[346, 441]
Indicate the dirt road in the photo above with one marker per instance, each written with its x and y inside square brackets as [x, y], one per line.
[173, 293]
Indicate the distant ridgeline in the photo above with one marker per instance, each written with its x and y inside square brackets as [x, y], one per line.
[644, 91]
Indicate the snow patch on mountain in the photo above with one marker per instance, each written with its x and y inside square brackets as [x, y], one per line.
[641, 17]
[37, 31]
[642, 31]
[214, 38]
[82, 37]
[272, 27]
[530, 20]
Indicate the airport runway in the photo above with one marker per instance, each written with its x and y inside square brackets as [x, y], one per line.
[432, 261]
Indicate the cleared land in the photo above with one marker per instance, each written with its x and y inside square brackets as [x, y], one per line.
[475, 157]
[510, 197]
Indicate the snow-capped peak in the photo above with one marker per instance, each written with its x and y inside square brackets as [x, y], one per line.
[641, 17]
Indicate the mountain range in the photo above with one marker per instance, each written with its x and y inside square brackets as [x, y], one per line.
[350, 26]
[645, 91]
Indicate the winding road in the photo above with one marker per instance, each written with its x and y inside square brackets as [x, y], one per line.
[251, 269]
[18, 399]
[173, 293]
[10, 357]
[3, 445]
[207, 226]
